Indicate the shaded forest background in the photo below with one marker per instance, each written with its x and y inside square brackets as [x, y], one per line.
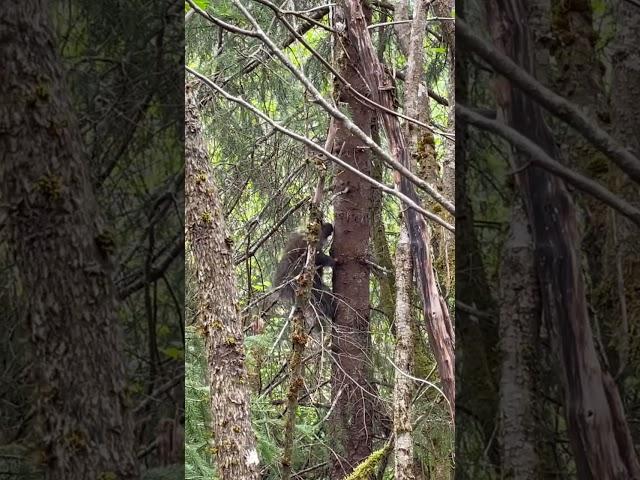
[547, 266]
[110, 99]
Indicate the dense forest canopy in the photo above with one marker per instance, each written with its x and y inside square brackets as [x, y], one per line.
[547, 195]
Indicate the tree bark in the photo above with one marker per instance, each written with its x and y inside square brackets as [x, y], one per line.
[519, 318]
[61, 251]
[403, 385]
[579, 78]
[217, 309]
[441, 335]
[352, 419]
[599, 433]
[624, 259]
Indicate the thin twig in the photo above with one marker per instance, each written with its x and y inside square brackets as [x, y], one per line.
[346, 121]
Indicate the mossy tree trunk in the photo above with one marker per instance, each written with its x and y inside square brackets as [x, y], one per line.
[598, 431]
[403, 385]
[61, 252]
[217, 314]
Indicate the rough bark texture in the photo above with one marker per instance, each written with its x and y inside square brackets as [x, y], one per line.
[403, 386]
[352, 419]
[439, 326]
[217, 310]
[421, 142]
[599, 433]
[477, 362]
[403, 31]
[579, 78]
[53, 225]
[623, 242]
[519, 318]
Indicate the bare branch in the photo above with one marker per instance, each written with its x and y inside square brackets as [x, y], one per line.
[156, 271]
[410, 203]
[221, 23]
[254, 248]
[540, 158]
[559, 106]
[359, 96]
[346, 121]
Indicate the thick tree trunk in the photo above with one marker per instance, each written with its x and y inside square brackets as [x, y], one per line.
[624, 265]
[441, 335]
[403, 385]
[477, 362]
[599, 433]
[579, 78]
[60, 249]
[519, 319]
[352, 419]
[217, 309]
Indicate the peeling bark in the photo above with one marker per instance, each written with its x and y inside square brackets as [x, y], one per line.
[441, 335]
[599, 433]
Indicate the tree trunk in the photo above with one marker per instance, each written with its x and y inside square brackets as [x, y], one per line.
[624, 265]
[477, 362]
[298, 329]
[599, 433]
[519, 318]
[578, 77]
[403, 385]
[441, 335]
[218, 315]
[352, 419]
[54, 228]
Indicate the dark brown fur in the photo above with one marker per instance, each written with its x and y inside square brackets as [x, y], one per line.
[292, 263]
